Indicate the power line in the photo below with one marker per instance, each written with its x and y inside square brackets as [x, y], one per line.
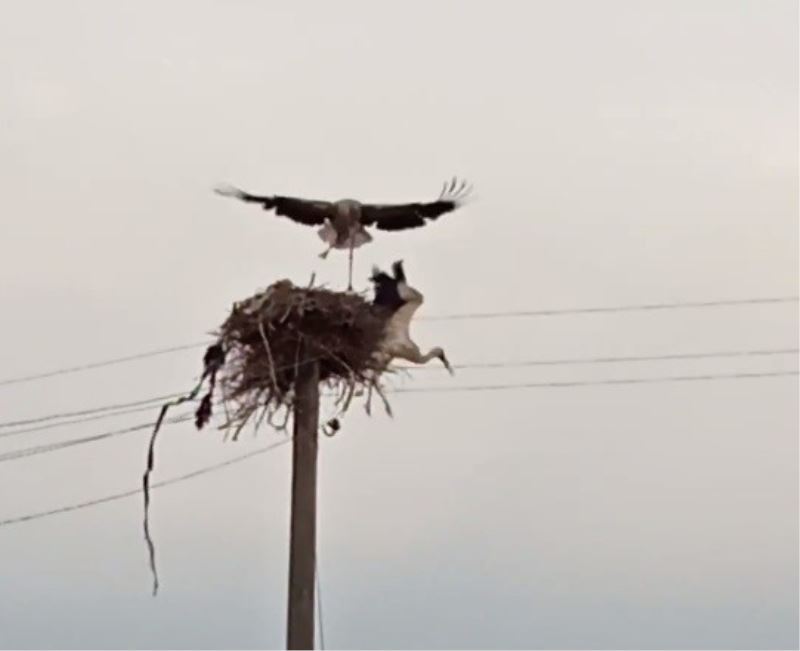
[642, 307]
[75, 421]
[445, 317]
[495, 387]
[603, 382]
[53, 447]
[609, 360]
[149, 402]
[84, 412]
[130, 493]
[94, 365]
[118, 409]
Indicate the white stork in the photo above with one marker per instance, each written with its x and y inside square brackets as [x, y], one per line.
[393, 293]
[343, 222]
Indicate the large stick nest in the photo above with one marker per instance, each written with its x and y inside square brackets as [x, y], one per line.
[260, 348]
[266, 338]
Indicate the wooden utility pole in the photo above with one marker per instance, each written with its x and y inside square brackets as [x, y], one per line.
[303, 530]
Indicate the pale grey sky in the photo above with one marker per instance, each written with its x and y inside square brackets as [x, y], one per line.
[622, 152]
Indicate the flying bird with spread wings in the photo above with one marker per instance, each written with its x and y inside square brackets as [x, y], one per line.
[343, 223]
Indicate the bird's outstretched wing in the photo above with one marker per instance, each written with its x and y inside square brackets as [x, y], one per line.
[302, 211]
[396, 217]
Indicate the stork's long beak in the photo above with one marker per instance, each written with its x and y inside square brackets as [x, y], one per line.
[447, 364]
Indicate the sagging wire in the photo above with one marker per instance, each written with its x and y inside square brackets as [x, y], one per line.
[213, 360]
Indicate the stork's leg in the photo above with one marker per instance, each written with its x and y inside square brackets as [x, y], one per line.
[350, 268]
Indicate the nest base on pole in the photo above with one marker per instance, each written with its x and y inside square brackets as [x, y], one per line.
[266, 338]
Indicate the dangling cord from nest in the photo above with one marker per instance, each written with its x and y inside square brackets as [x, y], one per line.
[213, 360]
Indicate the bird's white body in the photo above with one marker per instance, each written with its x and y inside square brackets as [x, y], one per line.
[393, 294]
[353, 236]
[397, 342]
[344, 231]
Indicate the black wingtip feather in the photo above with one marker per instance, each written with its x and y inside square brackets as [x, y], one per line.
[455, 190]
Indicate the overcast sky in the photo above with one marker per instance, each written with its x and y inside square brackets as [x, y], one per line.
[622, 152]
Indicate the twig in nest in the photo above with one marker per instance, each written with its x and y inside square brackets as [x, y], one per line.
[268, 346]
[280, 427]
[273, 376]
[342, 401]
[386, 404]
[339, 393]
[260, 418]
[350, 386]
[248, 412]
[287, 313]
[350, 393]
[227, 416]
[374, 384]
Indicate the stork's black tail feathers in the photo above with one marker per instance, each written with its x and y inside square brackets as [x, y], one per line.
[397, 270]
[386, 286]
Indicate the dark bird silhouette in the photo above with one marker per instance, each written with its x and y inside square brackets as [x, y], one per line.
[343, 223]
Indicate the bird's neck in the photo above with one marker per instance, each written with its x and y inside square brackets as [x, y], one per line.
[427, 357]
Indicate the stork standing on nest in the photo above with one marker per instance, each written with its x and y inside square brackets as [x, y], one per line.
[343, 222]
[393, 294]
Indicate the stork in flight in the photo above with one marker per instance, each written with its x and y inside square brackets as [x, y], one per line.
[393, 294]
[343, 222]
